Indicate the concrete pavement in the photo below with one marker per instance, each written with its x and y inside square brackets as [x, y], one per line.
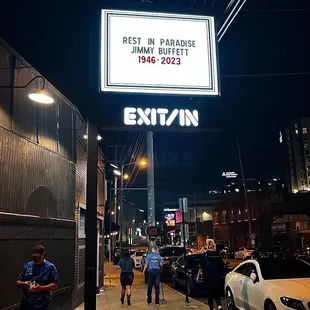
[110, 297]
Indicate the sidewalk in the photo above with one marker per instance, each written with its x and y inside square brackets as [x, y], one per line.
[110, 297]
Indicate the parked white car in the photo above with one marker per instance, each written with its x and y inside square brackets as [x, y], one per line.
[137, 256]
[269, 284]
[243, 253]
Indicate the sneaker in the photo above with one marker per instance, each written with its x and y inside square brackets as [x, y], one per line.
[150, 304]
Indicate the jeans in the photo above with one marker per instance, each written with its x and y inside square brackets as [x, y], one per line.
[153, 279]
[214, 293]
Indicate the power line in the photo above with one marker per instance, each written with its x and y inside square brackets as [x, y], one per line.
[277, 10]
[265, 74]
[283, 49]
[235, 11]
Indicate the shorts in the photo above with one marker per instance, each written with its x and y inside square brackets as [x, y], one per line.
[126, 278]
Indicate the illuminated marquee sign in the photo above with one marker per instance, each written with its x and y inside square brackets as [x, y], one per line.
[162, 117]
[144, 52]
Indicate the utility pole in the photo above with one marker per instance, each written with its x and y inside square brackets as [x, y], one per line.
[196, 224]
[121, 211]
[91, 218]
[113, 238]
[245, 193]
[184, 208]
[150, 183]
[91, 255]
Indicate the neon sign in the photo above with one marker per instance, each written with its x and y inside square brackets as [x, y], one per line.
[162, 117]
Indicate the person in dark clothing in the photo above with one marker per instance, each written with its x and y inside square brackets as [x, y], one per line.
[38, 279]
[126, 264]
[153, 263]
[212, 275]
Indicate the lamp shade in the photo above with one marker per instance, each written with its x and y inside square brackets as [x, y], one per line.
[41, 96]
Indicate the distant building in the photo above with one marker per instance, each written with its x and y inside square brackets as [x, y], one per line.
[297, 140]
[277, 220]
[232, 183]
[198, 217]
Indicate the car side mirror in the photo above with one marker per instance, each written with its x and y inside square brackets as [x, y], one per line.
[253, 277]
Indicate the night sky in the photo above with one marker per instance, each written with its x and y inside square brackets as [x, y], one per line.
[267, 37]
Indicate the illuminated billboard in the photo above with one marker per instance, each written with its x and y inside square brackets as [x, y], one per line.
[178, 217]
[170, 219]
[158, 53]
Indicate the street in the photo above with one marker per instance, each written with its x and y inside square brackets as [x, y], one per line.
[232, 263]
[112, 280]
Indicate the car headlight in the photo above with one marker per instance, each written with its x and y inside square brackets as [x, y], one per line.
[292, 303]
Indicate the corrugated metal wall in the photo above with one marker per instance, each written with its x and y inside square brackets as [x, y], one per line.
[5, 118]
[43, 167]
[25, 166]
[36, 168]
[43, 158]
[18, 234]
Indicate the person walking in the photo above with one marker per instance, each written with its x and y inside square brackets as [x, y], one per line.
[126, 264]
[212, 269]
[153, 263]
[38, 279]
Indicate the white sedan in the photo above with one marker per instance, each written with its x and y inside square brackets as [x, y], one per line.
[269, 284]
[244, 253]
[137, 256]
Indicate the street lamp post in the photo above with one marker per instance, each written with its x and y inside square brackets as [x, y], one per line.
[142, 163]
[114, 210]
[121, 214]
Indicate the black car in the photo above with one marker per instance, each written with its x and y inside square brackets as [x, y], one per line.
[230, 253]
[227, 252]
[303, 254]
[267, 253]
[194, 262]
[169, 255]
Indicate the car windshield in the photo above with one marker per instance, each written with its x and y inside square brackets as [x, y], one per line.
[273, 269]
[173, 251]
[196, 261]
[140, 253]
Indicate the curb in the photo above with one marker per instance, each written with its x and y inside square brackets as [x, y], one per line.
[191, 299]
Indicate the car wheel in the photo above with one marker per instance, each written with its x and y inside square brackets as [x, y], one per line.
[230, 300]
[269, 305]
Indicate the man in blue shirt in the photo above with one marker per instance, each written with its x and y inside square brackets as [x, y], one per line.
[38, 279]
[153, 263]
